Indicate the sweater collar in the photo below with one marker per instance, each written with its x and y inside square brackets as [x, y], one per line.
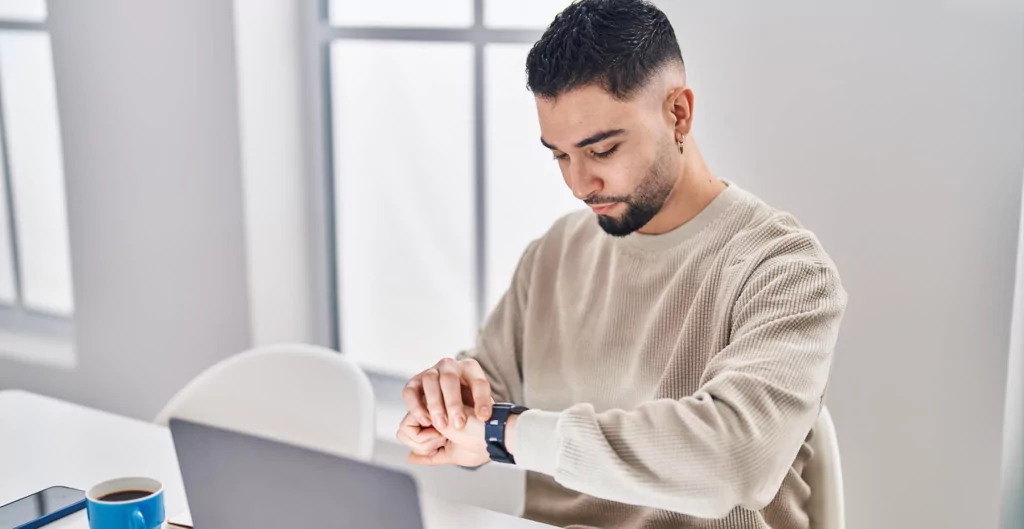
[675, 237]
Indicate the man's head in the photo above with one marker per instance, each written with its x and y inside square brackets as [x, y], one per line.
[613, 106]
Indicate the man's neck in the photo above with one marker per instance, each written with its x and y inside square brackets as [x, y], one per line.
[694, 190]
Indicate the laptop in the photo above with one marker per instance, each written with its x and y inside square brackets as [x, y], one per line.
[238, 481]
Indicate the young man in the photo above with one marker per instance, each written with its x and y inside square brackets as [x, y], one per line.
[673, 344]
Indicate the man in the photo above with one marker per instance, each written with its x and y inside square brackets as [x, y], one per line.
[673, 354]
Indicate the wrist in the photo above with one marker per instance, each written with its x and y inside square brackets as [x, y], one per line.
[510, 434]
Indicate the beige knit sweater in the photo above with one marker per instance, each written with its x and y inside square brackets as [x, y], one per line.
[674, 379]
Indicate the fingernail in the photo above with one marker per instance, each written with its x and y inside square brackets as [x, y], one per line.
[459, 422]
[439, 421]
[482, 411]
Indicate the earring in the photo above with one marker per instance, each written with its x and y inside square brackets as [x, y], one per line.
[681, 140]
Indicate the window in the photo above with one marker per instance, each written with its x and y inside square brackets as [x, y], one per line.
[35, 262]
[439, 181]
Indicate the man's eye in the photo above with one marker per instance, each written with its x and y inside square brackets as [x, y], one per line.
[561, 156]
[607, 153]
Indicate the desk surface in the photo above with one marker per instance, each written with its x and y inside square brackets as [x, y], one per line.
[46, 442]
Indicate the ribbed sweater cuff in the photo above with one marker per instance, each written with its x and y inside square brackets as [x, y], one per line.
[537, 441]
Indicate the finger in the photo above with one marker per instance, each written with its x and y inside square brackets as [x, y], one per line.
[450, 381]
[422, 435]
[424, 448]
[467, 395]
[406, 431]
[421, 441]
[474, 377]
[441, 457]
[403, 437]
[411, 424]
[428, 434]
[416, 432]
[412, 394]
[435, 401]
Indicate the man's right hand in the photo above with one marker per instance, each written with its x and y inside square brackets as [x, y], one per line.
[436, 396]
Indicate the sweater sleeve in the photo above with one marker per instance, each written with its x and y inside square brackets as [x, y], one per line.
[732, 442]
[499, 345]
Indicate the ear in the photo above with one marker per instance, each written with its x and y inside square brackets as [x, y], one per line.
[679, 110]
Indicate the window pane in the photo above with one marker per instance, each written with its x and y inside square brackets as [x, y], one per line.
[23, 10]
[525, 14]
[402, 13]
[37, 170]
[525, 190]
[403, 166]
[8, 294]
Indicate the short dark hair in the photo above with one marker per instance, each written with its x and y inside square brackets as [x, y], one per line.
[618, 44]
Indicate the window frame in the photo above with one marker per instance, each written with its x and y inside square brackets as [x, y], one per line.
[327, 253]
[18, 317]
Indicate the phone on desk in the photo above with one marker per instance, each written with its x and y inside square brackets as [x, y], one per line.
[41, 508]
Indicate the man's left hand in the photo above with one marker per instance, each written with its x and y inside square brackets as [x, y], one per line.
[465, 447]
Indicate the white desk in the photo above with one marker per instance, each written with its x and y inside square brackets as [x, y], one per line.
[46, 442]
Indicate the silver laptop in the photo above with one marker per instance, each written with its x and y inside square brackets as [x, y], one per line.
[237, 481]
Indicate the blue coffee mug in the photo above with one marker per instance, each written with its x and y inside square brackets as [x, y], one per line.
[126, 503]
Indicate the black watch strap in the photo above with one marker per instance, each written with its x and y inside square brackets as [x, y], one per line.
[494, 431]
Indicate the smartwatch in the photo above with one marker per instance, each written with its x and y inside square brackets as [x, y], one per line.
[494, 431]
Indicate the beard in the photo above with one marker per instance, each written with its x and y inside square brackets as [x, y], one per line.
[643, 204]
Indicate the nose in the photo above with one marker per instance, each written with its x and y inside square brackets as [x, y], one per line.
[582, 181]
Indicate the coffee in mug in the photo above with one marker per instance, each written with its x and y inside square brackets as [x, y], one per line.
[126, 502]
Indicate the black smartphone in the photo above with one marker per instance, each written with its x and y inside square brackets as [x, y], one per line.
[41, 508]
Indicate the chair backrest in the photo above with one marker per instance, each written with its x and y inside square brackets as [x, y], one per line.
[300, 394]
[824, 475]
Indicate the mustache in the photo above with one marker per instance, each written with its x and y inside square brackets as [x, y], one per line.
[604, 200]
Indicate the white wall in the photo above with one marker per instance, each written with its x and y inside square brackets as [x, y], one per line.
[894, 132]
[149, 115]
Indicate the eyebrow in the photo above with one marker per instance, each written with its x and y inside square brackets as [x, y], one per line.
[589, 141]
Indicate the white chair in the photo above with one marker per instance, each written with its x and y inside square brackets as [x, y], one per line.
[824, 474]
[299, 394]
